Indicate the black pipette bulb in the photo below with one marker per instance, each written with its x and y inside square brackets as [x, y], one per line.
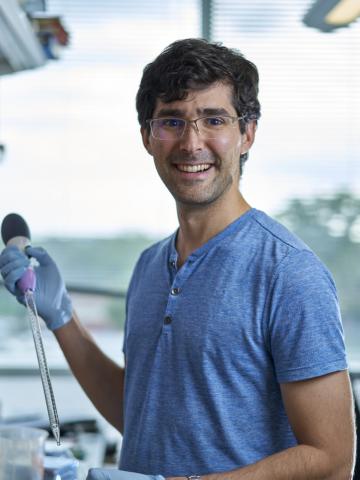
[15, 231]
[14, 226]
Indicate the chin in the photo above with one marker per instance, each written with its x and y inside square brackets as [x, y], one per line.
[188, 201]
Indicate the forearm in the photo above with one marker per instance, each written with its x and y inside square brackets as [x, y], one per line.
[100, 377]
[302, 462]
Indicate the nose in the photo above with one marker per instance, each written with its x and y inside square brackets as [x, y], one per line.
[191, 140]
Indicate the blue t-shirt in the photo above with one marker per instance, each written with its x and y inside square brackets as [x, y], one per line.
[207, 345]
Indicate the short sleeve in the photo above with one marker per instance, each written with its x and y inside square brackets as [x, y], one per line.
[305, 330]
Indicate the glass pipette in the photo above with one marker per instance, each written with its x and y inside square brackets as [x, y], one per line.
[43, 367]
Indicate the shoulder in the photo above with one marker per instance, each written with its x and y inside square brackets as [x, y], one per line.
[268, 246]
[158, 249]
[288, 260]
[153, 257]
[273, 231]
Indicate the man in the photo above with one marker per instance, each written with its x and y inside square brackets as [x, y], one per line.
[235, 362]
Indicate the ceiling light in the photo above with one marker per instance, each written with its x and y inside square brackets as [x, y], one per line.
[329, 15]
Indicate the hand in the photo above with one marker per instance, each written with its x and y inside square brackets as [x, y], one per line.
[113, 474]
[51, 297]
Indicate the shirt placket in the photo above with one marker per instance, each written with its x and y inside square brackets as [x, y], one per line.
[178, 278]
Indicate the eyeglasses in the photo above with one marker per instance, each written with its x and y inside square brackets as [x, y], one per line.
[208, 127]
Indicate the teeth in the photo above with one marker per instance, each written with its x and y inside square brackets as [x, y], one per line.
[194, 168]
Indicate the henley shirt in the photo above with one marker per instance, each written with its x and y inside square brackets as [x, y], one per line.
[208, 344]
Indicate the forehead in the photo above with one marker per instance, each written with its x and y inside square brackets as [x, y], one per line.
[215, 98]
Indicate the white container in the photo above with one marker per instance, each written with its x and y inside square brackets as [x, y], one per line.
[22, 453]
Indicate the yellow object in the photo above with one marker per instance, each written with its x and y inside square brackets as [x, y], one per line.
[345, 12]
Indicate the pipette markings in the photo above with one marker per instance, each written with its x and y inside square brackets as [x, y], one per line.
[43, 367]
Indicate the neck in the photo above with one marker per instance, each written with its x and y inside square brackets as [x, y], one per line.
[200, 223]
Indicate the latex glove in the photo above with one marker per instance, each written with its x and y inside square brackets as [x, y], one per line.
[113, 474]
[51, 297]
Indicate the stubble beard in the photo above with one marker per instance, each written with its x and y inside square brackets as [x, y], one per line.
[195, 195]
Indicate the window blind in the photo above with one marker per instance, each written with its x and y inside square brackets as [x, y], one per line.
[308, 137]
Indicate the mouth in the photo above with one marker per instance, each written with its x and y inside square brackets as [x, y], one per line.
[203, 167]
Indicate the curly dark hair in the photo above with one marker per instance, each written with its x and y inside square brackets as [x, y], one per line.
[195, 63]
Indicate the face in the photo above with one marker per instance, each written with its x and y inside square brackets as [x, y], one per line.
[199, 171]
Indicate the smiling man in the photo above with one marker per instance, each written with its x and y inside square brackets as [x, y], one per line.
[196, 144]
[235, 359]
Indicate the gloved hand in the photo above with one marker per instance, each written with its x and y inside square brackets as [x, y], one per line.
[51, 297]
[113, 474]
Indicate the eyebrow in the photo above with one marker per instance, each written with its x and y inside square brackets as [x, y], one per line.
[169, 112]
[213, 111]
[176, 112]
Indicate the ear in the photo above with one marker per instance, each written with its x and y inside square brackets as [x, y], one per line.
[146, 139]
[248, 137]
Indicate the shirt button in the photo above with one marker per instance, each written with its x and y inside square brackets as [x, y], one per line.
[173, 263]
[175, 291]
[167, 320]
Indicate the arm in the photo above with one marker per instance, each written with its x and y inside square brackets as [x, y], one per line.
[100, 377]
[320, 412]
